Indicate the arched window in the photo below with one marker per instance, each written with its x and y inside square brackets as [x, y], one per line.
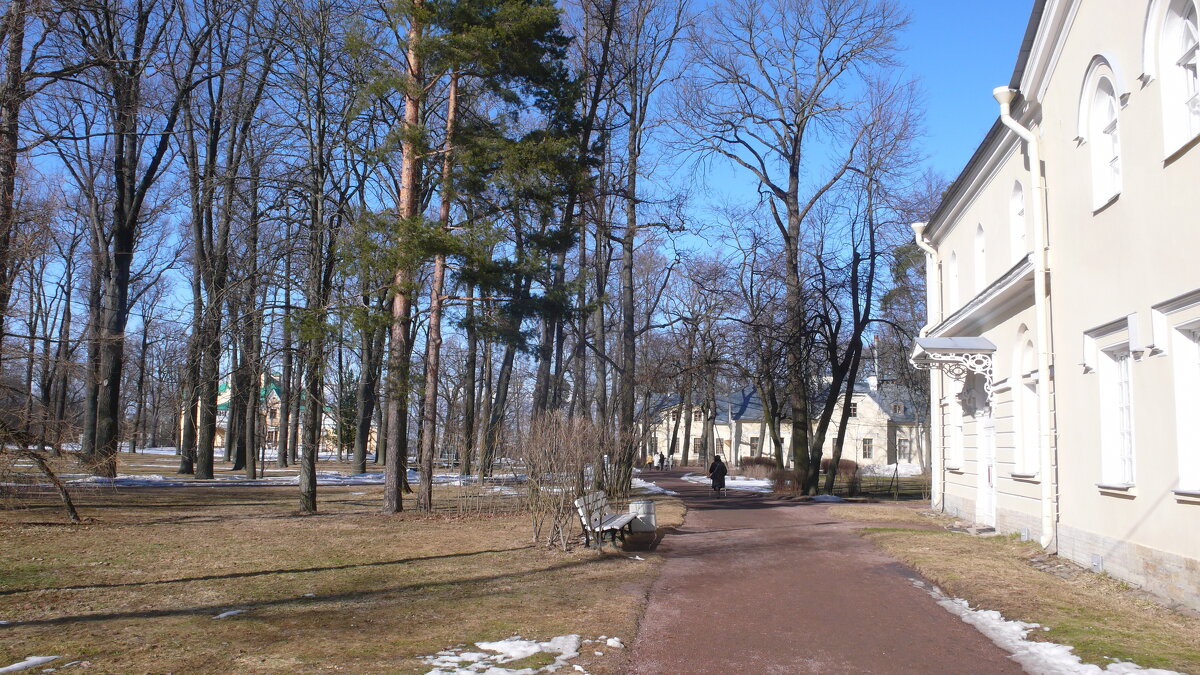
[1178, 48]
[980, 258]
[952, 283]
[1104, 137]
[1016, 217]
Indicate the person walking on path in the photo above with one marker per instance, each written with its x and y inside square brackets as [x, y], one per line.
[717, 472]
[662, 461]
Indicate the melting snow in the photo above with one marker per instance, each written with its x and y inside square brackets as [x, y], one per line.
[891, 469]
[1034, 657]
[733, 482]
[827, 498]
[461, 662]
[232, 612]
[652, 488]
[29, 662]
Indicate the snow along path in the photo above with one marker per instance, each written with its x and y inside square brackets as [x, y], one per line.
[1035, 657]
[460, 661]
[753, 585]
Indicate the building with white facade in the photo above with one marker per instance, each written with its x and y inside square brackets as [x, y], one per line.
[1064, 298]
[882, 429]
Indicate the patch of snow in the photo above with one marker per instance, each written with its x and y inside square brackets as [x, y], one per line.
[232, 612]
[827, 498]
[29, 662]
[310, 595]
[615, 642]
[652, 488]
[903, 469]
[461, 662]
[743, 483]
[636, 557]
[1034, 657]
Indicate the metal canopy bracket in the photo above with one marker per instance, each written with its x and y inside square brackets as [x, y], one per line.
[956, 357]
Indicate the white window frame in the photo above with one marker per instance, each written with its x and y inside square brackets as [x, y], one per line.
[854, 409]
[868, 448]
[1186, 355]
[1016, 217]
[952, 285]
[1118, 450]
[903, 450]
[1178, 46]
[1025, 408]
[980, 259]
[1104, 137]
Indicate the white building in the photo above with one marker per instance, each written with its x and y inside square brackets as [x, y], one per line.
[1064, 298]
[881, 430]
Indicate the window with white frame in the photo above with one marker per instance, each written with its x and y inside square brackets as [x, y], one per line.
[754, 446]
[1178, 45]
[980, 259]
[868, 448]
[1116, 417]
[903, 450]
[953, 442]
[1016, 217]
[1104, 137]
[1187, 403]
[1029, 411]
[854, 409]
[952, 282]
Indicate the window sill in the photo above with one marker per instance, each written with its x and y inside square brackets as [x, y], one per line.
[1181, 151]
[1024, 477]
[954, 469]
[1105, 204]
[1125, 490]
[1187, 496]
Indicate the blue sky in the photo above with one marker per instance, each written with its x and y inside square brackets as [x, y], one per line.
[960, 50]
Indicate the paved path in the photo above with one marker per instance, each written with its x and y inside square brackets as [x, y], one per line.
[753, 585]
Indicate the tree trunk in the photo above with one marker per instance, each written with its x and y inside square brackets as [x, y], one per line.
[433, 342]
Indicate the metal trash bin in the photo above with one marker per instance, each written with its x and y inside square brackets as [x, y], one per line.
[645, 520]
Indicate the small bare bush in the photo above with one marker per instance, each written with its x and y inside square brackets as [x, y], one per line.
[559, 454]
[783, 480]
[757, 467]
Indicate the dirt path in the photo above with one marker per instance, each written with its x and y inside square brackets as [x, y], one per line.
[753, 585]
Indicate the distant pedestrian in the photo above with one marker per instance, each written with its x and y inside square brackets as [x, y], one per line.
[662, 461]
[717, 472]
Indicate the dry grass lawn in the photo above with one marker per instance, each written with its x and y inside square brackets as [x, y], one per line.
[1101, 617]
[906, 512]
[135, 588]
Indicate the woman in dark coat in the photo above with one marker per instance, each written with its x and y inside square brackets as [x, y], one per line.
[717, 471]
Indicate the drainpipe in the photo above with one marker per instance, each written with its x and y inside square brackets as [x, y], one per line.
[1041, 272]
[933, 284]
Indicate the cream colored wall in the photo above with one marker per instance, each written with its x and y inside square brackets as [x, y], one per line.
[990, 208]
[1139, 251]
[1135, 253]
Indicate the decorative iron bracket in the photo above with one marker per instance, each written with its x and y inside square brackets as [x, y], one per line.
[957, 365]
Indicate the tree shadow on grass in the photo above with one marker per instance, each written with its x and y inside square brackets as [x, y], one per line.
[260, 573]
[457, 585]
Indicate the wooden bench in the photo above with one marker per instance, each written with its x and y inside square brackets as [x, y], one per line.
[596, 519]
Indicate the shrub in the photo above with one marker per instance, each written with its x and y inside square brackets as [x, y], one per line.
[845, 467]
[762, 461]
[783, 480]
